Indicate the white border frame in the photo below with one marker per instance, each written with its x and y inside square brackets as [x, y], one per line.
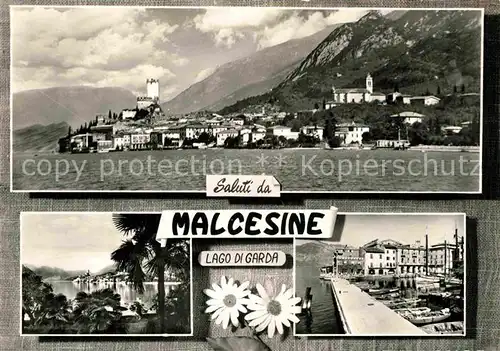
[424, 336]
[481, 66]
[97, 335]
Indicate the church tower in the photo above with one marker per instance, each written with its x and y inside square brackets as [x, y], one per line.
[369, 83]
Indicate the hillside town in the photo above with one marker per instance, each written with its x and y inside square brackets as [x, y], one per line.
[146, 126]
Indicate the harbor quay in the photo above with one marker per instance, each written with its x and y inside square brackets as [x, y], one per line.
[362, 314]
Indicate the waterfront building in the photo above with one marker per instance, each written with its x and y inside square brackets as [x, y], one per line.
[313, 131]
[139, 141]
[118, 141]
[349, 259]
[257, 135]
[223, 135]
[104, 145]
[442, 257]
[283, 131]
[351, 133]
[411, 259]
[380, 257]
[450, 130]
[193, 131]
[80, 142]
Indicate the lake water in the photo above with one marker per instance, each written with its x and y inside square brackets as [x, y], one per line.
[127, 292]
[296, 169]
[323, 319]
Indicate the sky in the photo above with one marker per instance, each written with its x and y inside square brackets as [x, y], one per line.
[69, 241]
[123, 46]
[407, 229]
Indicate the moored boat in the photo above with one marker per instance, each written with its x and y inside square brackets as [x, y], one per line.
[445, 328]
[382, 291]
[402, 303]
[427, 317]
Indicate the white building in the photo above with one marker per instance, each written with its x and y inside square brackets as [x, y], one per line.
[139, 141]
[351, 133]
[381, 257]
[193, 131]
[441, 258]
[283, 131]
[313, 131]
[257, 135]
[356, 95]
[128, 113]
[428, 100]
[143, 102]
[409, 117]
[450, 130]
[118, 141]
[223, 135]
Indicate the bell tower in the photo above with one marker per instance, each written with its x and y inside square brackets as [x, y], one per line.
[369, 83]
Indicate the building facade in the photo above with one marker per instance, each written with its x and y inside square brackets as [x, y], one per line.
[351, 133]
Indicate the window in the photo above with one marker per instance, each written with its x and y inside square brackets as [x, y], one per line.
[371, 256]
[380, 256]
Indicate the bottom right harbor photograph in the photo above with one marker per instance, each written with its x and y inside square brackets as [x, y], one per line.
[384, 275]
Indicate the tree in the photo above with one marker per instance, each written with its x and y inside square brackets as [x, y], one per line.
[396, 87]
[141, 255]
[98, 313]
[69, 131]
[454, 89]
[324, 104]
[109, 115]
[462, 89]
[438, 92]
[316, 106]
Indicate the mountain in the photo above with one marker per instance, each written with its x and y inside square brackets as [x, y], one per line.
[108, 269]
[73, 105]
[415, 51]
[54, 273]
[316, 252]
[39, 138]
[251, 75]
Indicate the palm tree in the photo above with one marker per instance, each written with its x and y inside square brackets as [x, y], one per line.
[140, 255]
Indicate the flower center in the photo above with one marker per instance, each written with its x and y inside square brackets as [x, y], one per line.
[274, 307]
[229, 300]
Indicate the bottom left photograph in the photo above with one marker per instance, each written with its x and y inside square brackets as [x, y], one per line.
[90, 273]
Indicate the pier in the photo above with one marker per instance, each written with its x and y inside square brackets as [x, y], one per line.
[361, 314]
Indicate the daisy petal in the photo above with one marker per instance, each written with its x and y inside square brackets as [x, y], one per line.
[216, 313]
[230, 282]
[211, 293]
[223, 282]
[217, 288]
[241, 308]
[284, 321]
[293, 301]
[293, 318]
[259, 320]
[211, 309]
[295, 310]
[221, 316]
[234, 317]
[262, 292]
[288, 294]
[255, 314]
[264, 324]
[225, 321]
[279, 326]
[213, 302]
[271, 327]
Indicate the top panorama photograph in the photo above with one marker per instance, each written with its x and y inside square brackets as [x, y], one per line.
[153, 99]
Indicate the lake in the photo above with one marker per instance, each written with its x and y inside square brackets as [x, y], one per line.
[323, 319]
[127, 292]
[296, 169]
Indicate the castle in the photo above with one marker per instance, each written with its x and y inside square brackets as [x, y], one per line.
[153, 94]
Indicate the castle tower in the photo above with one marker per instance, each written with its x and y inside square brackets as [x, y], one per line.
[369, 83]
[153, 89]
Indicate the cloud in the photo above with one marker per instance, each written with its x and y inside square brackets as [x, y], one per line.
[298, 26]
[83, 37]
[228, 24]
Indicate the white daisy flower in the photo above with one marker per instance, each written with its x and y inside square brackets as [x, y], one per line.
[227, 301]
[272, 312]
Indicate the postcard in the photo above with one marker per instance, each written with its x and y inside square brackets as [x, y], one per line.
[155, 99]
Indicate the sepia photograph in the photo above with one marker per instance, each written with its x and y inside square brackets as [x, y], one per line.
[88, 273]
[154, 99]
[388, 275]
